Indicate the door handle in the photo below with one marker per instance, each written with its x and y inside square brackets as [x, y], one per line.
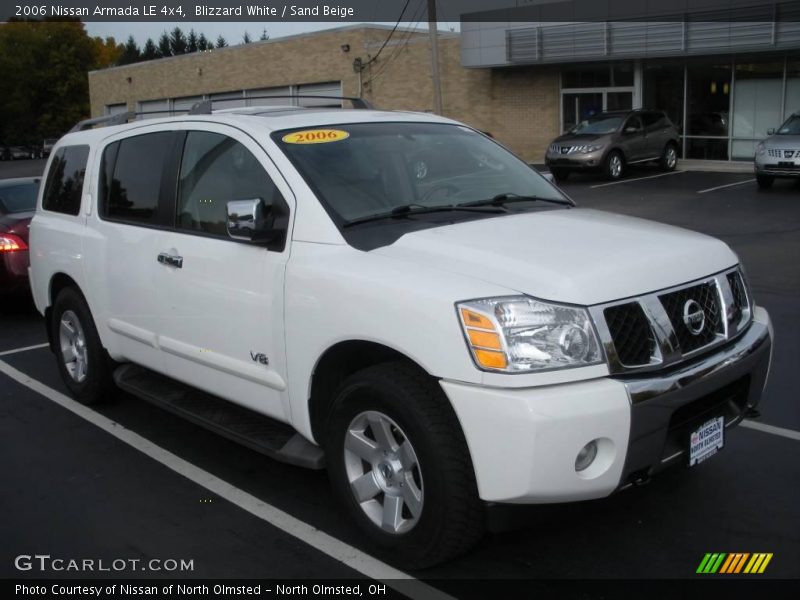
[169, 259]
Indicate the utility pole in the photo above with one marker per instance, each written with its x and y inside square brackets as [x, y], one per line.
[432, 32]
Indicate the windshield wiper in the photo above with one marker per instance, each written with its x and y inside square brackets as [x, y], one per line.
[408, 210]
[509, 197]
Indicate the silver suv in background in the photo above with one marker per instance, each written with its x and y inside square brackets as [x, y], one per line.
[609, 142]
[779, 154]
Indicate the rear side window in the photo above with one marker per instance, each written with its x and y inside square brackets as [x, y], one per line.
[131, 175]
[62, 192]
[653, 120]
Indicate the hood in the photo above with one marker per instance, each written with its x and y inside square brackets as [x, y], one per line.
[783, 141]
[573, 139]
[577, 256]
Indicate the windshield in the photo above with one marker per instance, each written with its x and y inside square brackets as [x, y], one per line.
[791, 127]
[598, 125]
[365, 169]
[18, 198]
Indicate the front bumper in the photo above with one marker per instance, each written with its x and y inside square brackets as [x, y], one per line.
[777, 167]
[523, 442]
[576, 161]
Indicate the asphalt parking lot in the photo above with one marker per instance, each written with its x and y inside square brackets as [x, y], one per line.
[73, 488]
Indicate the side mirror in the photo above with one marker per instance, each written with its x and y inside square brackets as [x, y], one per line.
[771, 131]
[632, 129]
[255, 221]
[549, 177]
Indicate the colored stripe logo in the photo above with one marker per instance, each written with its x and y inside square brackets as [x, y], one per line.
[734, 563]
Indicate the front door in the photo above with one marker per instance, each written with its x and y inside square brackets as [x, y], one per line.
[634, 139]
[222, 328]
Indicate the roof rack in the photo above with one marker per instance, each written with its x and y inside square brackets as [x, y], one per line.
[201, 108]
[107, 120]
[204, 106]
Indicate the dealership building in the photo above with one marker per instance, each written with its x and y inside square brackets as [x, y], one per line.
[724, 81]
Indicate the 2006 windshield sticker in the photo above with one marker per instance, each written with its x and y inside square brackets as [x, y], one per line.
[315, 136]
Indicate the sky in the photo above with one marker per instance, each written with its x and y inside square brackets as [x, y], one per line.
[232, 32]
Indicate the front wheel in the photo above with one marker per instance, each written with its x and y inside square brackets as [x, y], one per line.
[614, 165]
[83, 363]
[399, 463]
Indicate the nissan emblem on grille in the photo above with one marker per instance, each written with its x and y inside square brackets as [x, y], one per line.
[693, 317]
[788, 153]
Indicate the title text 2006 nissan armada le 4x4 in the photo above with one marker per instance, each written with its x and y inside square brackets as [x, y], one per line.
[394, 296]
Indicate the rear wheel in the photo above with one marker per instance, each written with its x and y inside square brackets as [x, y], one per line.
[399, 463]
[83, 363]
[669, 158]
[764, 181]
[560, 174]
[614, 165]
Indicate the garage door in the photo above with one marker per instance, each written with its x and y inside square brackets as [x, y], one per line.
[154, 108]
[331, 88]
[273, 91]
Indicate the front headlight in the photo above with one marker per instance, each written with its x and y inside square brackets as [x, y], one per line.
[590, 149]
[518, 334]
[760, 148]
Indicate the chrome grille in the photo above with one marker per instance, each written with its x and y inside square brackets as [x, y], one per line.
[633, 338]
[665, 327]
[678, 305]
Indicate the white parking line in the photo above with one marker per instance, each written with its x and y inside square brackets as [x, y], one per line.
[24, 349]
[599, 185]
[719, 187]
[338, 550]
[781, 431]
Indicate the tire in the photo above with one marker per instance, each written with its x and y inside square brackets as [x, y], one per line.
[764, 181]
[84, 364]
[614, 165]
[669, 157]
[560, 174]
[437, 514]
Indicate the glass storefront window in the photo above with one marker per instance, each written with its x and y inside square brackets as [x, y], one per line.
[756, 105]
[601, 75]
[708, 110]
[663, 90]
[792, 88]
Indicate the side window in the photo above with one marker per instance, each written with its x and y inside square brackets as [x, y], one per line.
[62, 192]
[635, 122]
[131, 175]
[215, 170]
[653, 120]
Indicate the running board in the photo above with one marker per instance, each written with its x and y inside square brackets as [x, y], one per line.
[256, 431]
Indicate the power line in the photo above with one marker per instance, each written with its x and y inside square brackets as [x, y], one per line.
[389, 37]
[415, 19]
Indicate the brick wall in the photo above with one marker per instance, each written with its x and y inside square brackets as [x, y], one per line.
[518, 106]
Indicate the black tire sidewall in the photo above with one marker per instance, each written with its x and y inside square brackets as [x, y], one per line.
[97, 385]
[354, 399]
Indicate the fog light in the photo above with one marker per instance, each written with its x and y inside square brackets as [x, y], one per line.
[586, 456]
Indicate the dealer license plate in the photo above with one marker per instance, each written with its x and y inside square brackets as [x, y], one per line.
[705, 441]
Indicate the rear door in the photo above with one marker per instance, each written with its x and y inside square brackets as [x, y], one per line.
[223, 318]
[658, 131]
[121, 247]
[634, 141]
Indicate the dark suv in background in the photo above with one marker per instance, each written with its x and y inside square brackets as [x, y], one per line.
[607, 143]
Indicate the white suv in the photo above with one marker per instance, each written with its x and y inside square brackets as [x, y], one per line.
[394, 296]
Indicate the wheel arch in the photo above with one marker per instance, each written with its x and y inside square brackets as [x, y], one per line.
[336, 364]
[58, 282]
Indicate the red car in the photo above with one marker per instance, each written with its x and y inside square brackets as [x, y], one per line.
[17, 205]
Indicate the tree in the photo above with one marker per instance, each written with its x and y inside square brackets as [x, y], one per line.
[164, 48]
[107, 52]
[221, 43]
[264, 35]
[246, 38]
[203, 44]
[130, 52]
[191, 42]
[43, 66]
[149, 51]
[177, 42]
